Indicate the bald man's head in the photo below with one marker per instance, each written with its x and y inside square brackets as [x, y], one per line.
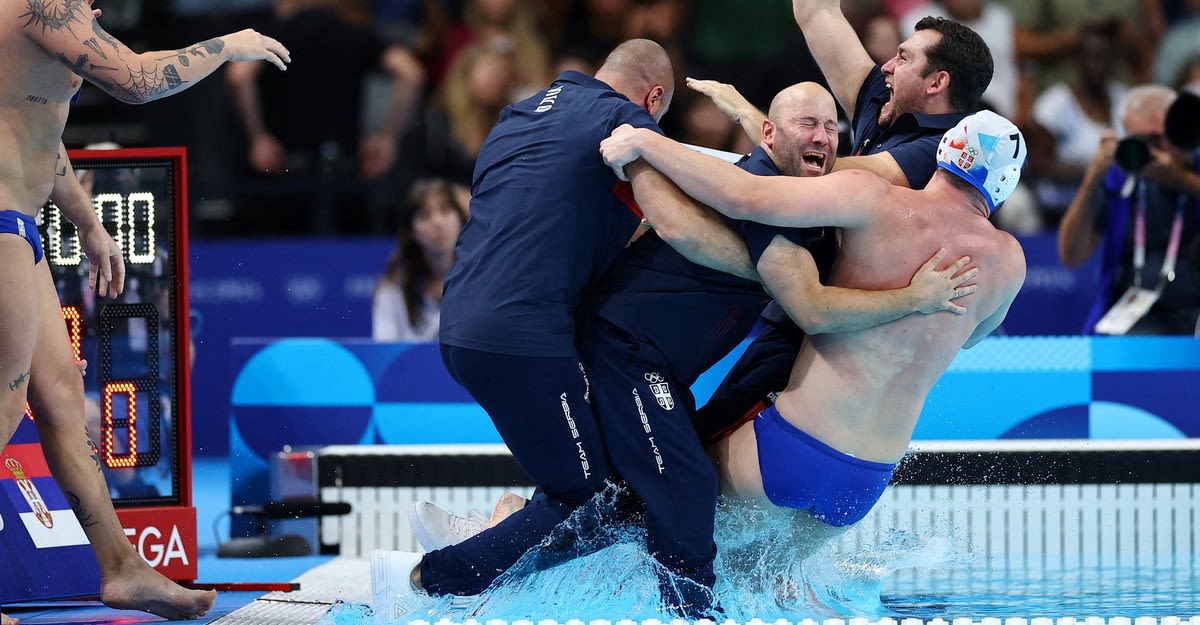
[641, 70]
[801, 130]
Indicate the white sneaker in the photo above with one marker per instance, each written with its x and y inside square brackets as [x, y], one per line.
[392, 594]
[436, 528]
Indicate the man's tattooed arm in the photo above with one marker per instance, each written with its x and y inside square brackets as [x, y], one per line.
[62, 28]
[203, 49]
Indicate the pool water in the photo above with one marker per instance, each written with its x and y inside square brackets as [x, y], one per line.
[762, 575]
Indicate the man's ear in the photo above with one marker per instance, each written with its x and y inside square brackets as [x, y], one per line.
[656, 101]
[939, 82]
[768, 133]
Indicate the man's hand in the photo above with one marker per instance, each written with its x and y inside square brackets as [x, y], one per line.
[736, 107]
[250, 45]
[935, 290]
[803, 10]
[267, 154]
[725, 96]
[106, 266]
[1105, 151]
[1165, 169]
[620, 149]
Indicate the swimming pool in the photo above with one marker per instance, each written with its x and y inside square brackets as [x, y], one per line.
[1076, 532]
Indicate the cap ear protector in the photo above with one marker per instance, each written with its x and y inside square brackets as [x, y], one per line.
[986, 150]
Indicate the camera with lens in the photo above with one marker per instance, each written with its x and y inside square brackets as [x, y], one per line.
[1181, 129]
[1132, 154]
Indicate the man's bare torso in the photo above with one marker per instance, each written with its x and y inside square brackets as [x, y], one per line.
[862, 392]
[35, 95]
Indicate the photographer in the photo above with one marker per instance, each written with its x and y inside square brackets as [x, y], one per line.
[1140, 203]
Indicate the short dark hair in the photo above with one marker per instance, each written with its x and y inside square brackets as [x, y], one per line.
[964, 55]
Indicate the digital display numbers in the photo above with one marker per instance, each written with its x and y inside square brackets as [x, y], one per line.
[136, 380]
[129, 219]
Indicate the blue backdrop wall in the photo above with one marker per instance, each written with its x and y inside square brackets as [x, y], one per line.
[322, 288]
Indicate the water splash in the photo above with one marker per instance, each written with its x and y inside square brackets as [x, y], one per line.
[771, 564]
[776, 563]
[342, 613]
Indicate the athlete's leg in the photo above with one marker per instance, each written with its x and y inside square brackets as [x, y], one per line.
[18, 333]
[541, 409]
[646, 419]
[56, 395]
[18, 330]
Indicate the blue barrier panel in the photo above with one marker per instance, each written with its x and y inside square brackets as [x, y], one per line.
[313, 392]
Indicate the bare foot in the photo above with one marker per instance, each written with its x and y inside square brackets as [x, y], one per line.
[138, 587]
[505, 507]
[8, 620]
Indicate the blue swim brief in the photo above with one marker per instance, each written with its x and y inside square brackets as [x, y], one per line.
[799, 471]
[22, 225]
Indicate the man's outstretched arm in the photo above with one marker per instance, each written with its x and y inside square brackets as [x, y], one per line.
[840, 199]
[835, 46]
[734, 105]
[69, 31]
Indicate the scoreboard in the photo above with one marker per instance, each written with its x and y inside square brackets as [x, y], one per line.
[138, 348]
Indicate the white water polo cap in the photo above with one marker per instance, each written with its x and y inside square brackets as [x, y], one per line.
[986, 150]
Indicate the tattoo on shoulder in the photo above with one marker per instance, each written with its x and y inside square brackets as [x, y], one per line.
[55, 15]
[36, 99]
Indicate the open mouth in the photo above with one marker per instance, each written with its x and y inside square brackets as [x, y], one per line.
[814, 159]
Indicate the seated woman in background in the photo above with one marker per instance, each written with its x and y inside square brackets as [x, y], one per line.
[408, 297]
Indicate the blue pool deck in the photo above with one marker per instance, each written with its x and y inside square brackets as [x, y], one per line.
[211, 498]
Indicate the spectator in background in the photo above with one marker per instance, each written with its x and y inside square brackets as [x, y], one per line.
[408, 298]
[704, 124]
[423, 26]
[726, 37]
[305, 126]
[1069, 118]
[880, 35]
[994, 22]
[481, 82]
[594, 27]
[1189, 76]
[512, 23]
[1161, 199]
[1179, 49]
[1049, 32]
